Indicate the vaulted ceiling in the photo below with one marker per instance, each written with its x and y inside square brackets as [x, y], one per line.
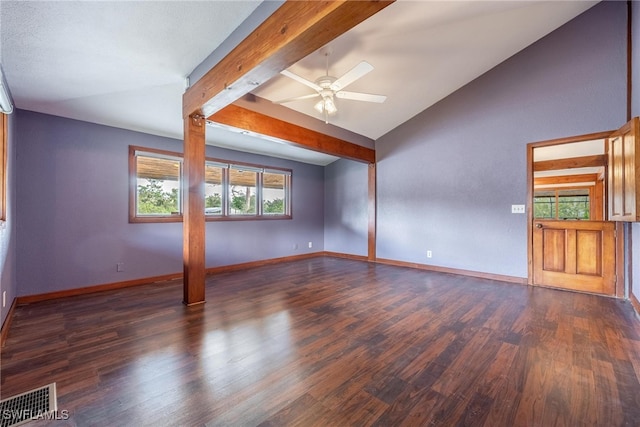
[124, 64]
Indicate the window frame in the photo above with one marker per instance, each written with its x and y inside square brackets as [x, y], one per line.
[133, 186]
[224, 171]
[286, 189]
[226, 165]
[241, 169]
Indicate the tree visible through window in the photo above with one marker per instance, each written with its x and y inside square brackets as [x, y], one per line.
[158, 185]
[562, 204]
[274, 193]
[242, 190]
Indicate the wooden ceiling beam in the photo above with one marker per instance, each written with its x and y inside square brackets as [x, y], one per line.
[293, 31]
[566, 179]
[571, 163]
[242, 118]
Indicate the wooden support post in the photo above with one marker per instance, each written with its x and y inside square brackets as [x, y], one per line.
[194, 220]
[292, 32]
[371, 253]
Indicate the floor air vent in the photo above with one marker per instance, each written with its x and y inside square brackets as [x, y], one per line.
[33, 405]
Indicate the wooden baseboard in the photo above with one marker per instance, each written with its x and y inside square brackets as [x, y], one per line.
[499, 277]
[253, 264]
[144, 281]
[7, 323]
[97, 288]
[345, 256]
[478, 274]
[635, 303]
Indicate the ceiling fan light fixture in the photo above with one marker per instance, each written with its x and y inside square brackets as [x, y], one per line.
[326, 105]
[330, 106]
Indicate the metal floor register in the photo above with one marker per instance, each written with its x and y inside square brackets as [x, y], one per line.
[37, 404]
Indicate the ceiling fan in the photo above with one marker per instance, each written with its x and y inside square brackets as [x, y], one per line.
[328, 88]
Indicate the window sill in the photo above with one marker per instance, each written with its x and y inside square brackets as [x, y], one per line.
[247, 218]
[210, 218]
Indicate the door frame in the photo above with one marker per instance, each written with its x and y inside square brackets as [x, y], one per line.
[619, 229]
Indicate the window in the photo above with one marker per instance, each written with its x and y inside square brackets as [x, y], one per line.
[242, 190]
[232, 191]
[274, 193]
[214, 188]
[562, 204]
[157, 181]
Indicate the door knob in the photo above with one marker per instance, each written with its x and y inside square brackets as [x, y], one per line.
[538, 225]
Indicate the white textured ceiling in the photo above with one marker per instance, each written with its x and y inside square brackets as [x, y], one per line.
[119, 63]
[123, 63]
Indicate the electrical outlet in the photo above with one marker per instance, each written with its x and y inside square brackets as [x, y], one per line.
[310, 244]
[295, 246]
[120, 267]
[517, 209]
[429, 254]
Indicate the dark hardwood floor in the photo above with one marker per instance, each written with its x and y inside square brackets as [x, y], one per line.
[332, 342]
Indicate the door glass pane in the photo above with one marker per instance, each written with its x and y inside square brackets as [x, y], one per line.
[544, 205]
[573, 204]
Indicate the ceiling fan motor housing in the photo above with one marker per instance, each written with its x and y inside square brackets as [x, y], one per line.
[325, 82]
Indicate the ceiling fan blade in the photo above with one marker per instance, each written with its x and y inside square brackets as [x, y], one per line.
[351, 76]
[302, 80]
[357, 96]
[297, 98]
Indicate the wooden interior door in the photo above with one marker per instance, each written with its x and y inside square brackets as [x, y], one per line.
[624, 173]
[576, 255]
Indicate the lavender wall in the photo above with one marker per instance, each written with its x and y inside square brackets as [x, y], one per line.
[345, 207]
[8, 228]
[72, 210]
[447, 178]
